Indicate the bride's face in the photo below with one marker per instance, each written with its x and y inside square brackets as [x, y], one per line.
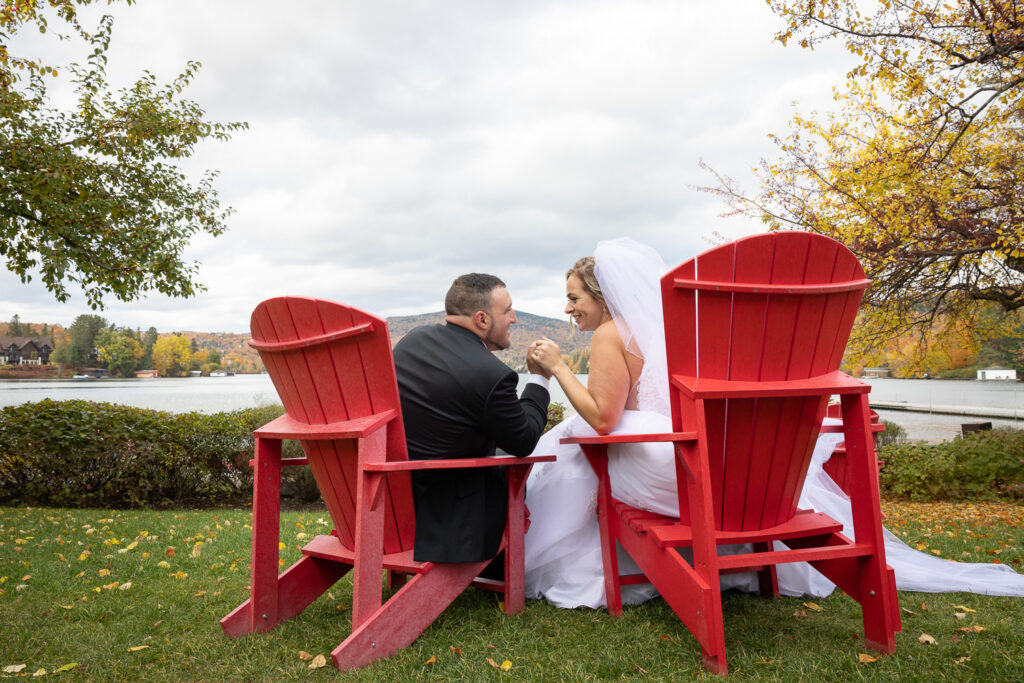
[587, 311]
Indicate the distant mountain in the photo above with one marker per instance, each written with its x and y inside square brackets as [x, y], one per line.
[527, 328]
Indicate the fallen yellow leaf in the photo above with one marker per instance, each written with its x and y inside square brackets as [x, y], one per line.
[14, 668]
[196, 552]
[132, 545]
[104, 572]
[39, 672]
[866, 659]
[972, 629]
[961, 660]
[125, 586]
[318, 662]
[962, 608]
[814, 606]
[305, 656]
[960, 615]
[430, 661]
[455, 650]
[179, 574]
[138, 647]
[163, 564]
[66, 667]
[926, 638]
[506, 665]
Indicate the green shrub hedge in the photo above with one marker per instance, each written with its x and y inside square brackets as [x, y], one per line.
[987, 465]
[85, 454]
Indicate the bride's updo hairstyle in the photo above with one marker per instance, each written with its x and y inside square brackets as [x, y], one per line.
[584, 270]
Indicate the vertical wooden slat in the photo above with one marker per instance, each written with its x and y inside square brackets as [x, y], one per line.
[762, 454]
[263, 329]
[812, 410]
[788, 267]
[753, 264]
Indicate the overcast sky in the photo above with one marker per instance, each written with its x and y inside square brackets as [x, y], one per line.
[394, 145]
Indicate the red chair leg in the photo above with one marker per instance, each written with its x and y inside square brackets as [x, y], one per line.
[266, 519]
[400, 620]
[598, 457]
[767, 578]
[515, 544]
[875, 588]
[297, 588]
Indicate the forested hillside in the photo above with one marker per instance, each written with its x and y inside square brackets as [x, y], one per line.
[527, 328]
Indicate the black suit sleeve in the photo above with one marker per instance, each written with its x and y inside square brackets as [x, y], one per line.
[516, 423]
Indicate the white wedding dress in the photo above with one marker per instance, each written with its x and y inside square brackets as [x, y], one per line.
[563, 546]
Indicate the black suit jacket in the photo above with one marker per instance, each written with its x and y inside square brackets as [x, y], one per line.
[459, 401]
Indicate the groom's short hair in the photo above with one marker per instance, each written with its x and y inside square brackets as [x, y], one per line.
[471, 293]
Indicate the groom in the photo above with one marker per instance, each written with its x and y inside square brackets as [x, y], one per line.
[459, 401]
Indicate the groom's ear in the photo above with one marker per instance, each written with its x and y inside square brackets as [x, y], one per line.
[480, 320]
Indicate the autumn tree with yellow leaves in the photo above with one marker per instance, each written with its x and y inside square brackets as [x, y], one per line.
[921, 170]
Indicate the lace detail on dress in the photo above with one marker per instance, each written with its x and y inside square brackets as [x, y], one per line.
[650, 395]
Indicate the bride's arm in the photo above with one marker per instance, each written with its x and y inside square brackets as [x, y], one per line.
[600, 403]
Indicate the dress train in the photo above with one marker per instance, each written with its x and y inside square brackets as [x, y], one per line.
[563, 546]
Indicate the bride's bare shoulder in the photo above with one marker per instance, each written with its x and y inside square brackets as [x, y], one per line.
[606, 334]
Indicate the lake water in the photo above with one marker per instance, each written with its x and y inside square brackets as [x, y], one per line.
[215, 394]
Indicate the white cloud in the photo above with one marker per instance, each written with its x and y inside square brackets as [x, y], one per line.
[395, 145]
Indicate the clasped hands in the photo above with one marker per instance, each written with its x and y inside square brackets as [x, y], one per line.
[543, 357]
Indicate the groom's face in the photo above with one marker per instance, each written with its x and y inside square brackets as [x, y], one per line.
[501, 317]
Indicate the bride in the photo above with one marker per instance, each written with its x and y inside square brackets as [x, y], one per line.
[616, 294]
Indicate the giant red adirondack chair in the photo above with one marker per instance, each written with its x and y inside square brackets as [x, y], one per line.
[755, 333]
[332, 367]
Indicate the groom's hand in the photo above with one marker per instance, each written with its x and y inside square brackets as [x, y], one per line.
[532, 364]
[545, 355]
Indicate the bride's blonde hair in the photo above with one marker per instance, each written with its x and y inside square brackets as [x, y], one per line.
[584, 270]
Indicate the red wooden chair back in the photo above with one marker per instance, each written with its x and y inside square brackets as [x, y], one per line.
[770, 307]
[330, 363]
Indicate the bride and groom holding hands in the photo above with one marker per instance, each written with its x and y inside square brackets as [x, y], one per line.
[458, 400]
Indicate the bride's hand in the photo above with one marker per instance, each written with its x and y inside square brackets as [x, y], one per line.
[546, 354]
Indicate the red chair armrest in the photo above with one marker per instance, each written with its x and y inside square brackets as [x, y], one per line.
[287, 427]
[631, 438]
[457, 463]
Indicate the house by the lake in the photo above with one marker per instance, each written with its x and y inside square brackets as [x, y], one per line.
[25, 350]
[997, 372]
[875, 372]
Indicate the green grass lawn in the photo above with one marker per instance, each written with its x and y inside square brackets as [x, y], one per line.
[130, 595]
